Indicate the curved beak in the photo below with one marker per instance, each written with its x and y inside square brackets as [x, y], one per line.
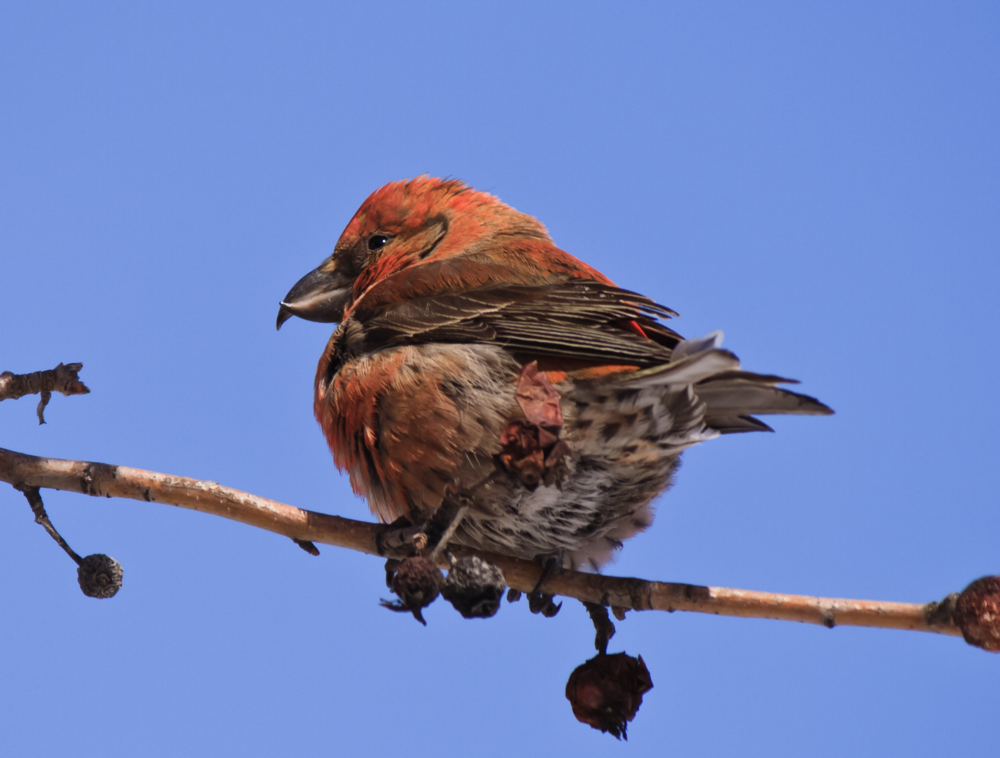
[318, 296]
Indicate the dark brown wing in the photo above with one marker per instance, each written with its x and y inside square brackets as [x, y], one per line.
[576, 319]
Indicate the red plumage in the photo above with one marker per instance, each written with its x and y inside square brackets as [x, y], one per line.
[476, 362]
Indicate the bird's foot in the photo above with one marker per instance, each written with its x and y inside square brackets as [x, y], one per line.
[543, 602]
[398, 538]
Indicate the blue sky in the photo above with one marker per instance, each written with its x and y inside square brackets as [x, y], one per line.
[821, 181]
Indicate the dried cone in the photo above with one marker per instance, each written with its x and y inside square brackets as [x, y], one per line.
[977, 613]
[100, 576]
[607, 690]
[416, 582]
[474, 587]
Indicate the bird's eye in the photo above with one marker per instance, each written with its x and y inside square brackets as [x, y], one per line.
[377, 241]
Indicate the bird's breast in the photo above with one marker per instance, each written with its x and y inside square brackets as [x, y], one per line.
[408, 422]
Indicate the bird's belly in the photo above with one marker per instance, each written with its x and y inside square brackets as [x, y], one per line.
[624, 448]
[600, 504]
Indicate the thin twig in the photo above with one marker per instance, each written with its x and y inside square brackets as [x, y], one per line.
[34, 498]
[99, 479]
[603, 627]
[63, 378]
[456, 521]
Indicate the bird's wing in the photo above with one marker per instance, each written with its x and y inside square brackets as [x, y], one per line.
[575, 319]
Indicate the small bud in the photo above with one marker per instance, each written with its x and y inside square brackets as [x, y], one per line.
[417, 582]
[100, 576]
[607, 690]
[977, 613]
[474, 587]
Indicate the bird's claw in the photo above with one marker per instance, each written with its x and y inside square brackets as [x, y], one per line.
[542, 602]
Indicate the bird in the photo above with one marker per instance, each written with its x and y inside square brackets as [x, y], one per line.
[478, 369]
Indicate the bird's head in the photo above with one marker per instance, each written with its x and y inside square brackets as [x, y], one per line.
[402, 225]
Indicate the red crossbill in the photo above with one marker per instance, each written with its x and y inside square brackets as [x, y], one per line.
[477, 363]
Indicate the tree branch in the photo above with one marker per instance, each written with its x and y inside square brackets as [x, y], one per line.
[100, 480]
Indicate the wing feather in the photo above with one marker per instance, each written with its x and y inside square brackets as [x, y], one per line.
[576, 318]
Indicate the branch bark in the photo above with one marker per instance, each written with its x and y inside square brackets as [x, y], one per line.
[302, 526]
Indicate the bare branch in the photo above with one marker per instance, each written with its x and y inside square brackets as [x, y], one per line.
[100, 480]
[63, 378]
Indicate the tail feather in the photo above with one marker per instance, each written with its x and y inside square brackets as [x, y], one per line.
[730, 401]
[730, 394]
[735, 424]
[752, 393]
[690, 369]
